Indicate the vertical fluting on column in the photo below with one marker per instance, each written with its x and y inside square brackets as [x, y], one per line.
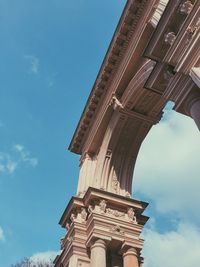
[130, 258]
[87, 168]
[98, 254]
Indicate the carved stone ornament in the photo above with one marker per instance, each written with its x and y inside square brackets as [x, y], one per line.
[115, 184]
[186, 7]
[169, 38]
[62, 243]
[68, 225]
[131, 215]
[117, 229]
[115, 213]
[192, 30]
[116, 103]
[73, 217]
[102, 206]
[83, 214]
[128, 195]
[90, 209]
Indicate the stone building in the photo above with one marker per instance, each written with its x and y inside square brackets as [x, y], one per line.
[153, 58]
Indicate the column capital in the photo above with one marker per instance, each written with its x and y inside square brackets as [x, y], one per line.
[130, 251]
[100, 243]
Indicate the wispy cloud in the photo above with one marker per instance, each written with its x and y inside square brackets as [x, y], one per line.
[2, 236]
[25, 155]
[7, 163]
[14, 158]
[34, 63]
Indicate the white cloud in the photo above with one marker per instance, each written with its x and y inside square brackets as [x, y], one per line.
[11, 165]
[180, 248]
[168, 166]
[47, 256]
[2, 236]
[34, 63]
[25, 155]
[7, 164]
[10, 161]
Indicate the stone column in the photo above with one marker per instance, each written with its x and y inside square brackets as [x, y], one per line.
[193, 106]
[130, 258]
[98, 254]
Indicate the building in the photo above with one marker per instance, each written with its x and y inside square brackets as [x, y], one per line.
[153, 58]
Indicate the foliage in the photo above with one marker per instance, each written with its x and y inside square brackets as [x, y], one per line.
[29, 263]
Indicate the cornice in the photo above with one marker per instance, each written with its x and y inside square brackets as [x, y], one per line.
[158, 13]
[118, 46]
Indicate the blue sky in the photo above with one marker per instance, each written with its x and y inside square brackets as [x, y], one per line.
[50, 54]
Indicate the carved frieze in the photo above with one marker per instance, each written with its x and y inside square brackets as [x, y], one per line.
[101, 208]
[115, 213]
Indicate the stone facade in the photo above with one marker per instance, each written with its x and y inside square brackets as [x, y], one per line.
[102, 230]
[153, 58]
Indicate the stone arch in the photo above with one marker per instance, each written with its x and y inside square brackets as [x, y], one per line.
[111, 168]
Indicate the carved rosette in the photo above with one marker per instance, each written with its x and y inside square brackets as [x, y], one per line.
[186, 7]
[116, 229]
[169, 38]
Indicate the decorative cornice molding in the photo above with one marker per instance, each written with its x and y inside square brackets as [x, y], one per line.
[118, 46]
[158, 12]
